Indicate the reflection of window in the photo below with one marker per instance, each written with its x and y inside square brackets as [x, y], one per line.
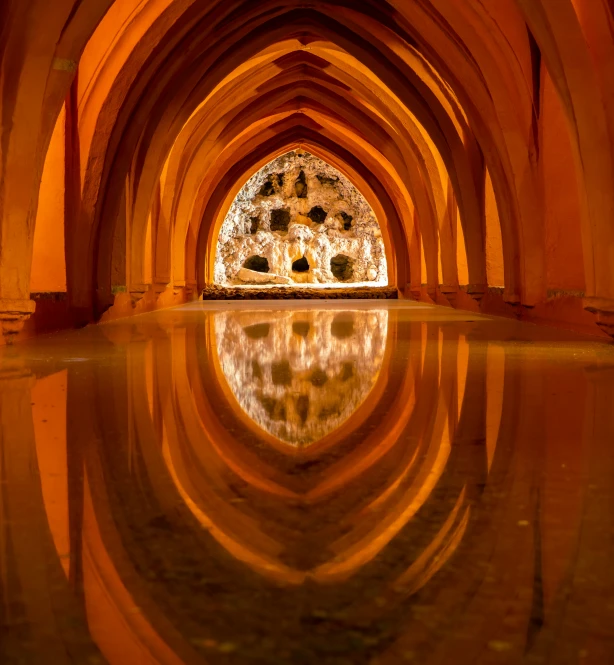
[318, 377]
[281, 374]
[301, 328]
[256, 371]
[258, 330]
[347, 372]
[302, 407]
[342, 326]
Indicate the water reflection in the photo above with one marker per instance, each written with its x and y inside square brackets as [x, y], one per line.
[300, 374]
[460, 513]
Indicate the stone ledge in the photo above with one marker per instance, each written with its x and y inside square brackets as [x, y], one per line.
[293, 293]
[51, 296]
[13, 315]
[603, 309]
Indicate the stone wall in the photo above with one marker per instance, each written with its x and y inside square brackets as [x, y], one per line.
[300, 221]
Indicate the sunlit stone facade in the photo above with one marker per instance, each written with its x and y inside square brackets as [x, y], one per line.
[299, 220]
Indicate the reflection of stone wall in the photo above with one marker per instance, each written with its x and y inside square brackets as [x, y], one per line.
[298, 207]
[300, 375]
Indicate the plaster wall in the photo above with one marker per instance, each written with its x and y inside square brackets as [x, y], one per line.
[48, 255]
[494, 242]
[564, 260]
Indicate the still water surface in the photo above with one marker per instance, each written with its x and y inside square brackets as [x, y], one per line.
[307, 483]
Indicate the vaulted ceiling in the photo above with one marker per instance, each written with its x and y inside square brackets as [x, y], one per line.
[479, 132]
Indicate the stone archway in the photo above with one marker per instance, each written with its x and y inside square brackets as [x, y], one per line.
[300, 215]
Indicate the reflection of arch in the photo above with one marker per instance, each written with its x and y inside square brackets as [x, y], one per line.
[211, 407]
[351, 465]
[360, 555]
[321, 391]
[260, 526]
[183, 473]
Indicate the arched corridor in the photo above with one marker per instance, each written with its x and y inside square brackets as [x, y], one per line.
[479, 134]
[306, 313]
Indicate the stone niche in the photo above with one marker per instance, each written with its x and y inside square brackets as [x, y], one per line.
[300, 221]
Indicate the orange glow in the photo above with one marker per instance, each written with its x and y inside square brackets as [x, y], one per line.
[492, 189]
[49, 260]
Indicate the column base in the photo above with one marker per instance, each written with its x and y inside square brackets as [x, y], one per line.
[603, 309]
[476, 291]
[138, 291]
[450, 292]
[13, 315]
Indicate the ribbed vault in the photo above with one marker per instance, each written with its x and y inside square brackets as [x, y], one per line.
[479, 133]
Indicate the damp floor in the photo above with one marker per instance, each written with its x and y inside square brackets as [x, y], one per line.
[307, 483]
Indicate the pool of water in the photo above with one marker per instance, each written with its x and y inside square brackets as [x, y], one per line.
[314, 482]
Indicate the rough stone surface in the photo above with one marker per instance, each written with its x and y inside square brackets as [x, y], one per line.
[255, 277]
[282, 280]
[297, 293]
[300, 207]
